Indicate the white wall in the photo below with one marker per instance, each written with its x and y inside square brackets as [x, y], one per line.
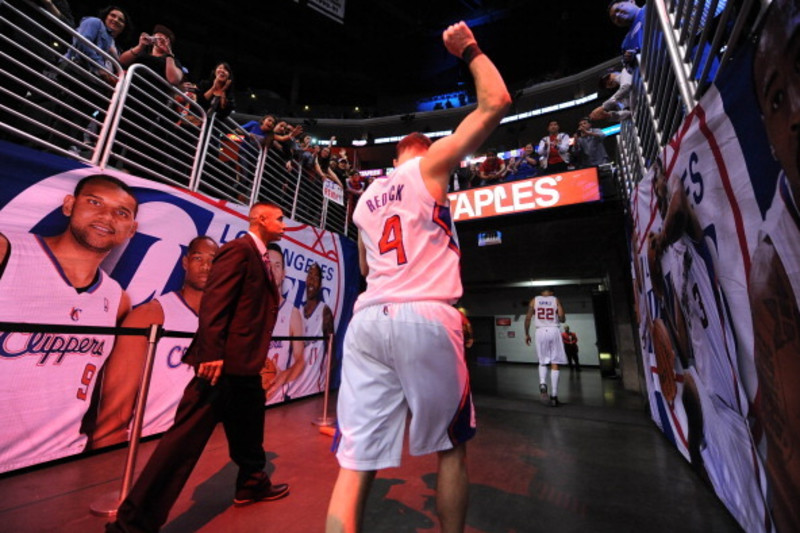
[510, 340]
[513, 304]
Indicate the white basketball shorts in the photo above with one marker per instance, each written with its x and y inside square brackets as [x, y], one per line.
[401, 359]
[550, 347]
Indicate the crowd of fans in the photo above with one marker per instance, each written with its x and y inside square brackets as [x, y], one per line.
[555, 152]
[558, 151]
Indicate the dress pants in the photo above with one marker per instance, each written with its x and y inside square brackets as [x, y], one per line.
[237, 402]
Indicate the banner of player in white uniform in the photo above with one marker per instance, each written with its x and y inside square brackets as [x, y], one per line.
[51, 384]
[716, 260]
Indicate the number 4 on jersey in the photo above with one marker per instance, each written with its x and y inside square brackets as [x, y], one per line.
[392, 239]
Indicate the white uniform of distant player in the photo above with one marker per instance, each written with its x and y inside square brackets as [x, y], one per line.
[280, 352]
[312, 380]
[404, 347]
[47, 379]
[549, 346]
[170, 376]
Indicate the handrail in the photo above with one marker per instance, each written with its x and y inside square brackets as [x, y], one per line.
[677, 62]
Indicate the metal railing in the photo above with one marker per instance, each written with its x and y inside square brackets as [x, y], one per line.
[53, 97]
[686, 45]
[149, 135]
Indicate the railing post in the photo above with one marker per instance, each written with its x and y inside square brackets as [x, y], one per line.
[206, 133]
[325, 420]
[258, 177]
[113, 124]
[678, 67]
[323, 215]
[108, 505]
[293, 216]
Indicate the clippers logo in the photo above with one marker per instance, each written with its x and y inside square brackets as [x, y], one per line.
[75, 314]
[175, 356]
[48, 347]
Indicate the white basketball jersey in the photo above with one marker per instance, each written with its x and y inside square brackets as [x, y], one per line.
[170, 375]
[312, 380]
[47, 379]
[708, 326]
[546, 312]
[411, 242]
[280, 352]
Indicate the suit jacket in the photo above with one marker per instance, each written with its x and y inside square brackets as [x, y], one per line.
[238, 311]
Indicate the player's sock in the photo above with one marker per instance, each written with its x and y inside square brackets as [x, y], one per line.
[554, 382]
[542, 373]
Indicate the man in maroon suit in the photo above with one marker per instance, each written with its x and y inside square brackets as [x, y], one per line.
[237, 315]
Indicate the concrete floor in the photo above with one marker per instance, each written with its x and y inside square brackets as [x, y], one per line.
[595, 464]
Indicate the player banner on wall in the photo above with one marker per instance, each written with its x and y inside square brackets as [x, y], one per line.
[63, 393]
[717, 278]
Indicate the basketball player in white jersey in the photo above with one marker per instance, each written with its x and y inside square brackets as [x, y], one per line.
[547, 314]
[122, 374]
[285, 361]
[47, 379]
[403, 350]
[718, 440]
[775, 274]
[317, 321]
[697, 306]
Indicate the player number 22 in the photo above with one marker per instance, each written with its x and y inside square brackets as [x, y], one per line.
[545, 313]
[392, 239]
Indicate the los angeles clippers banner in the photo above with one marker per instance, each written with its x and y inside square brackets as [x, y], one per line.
[716, 261]
[63, 393]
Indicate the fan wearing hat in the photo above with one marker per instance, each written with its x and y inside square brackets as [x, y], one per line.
[617, 107]
[155, 52]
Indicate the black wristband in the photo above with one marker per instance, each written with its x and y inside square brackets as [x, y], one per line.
[470, 52]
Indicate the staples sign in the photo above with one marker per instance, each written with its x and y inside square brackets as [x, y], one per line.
[556, 190]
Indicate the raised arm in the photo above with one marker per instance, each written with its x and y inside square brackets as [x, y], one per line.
[121, 376]
[127, 57]
[493, 102]
[290, 374]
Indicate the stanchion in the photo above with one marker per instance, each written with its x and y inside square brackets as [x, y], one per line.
[325, 421]
[107, 505]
